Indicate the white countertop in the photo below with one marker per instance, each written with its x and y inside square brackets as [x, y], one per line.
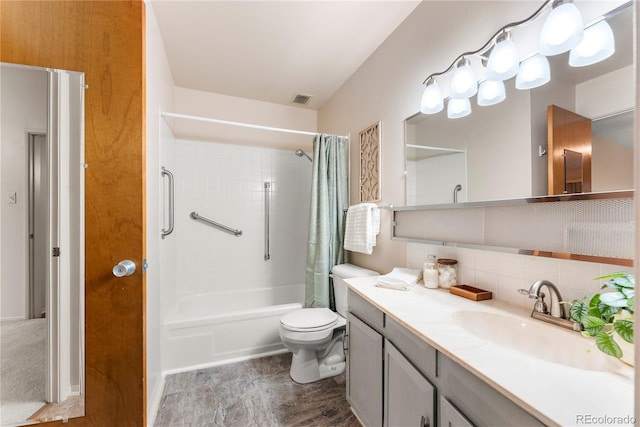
[556, 394]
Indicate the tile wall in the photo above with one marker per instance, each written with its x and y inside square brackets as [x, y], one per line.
[504, 273]
[225, 183]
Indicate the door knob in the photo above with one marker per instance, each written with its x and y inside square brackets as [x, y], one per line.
[124, 268]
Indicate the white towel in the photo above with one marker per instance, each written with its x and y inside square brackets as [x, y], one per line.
[401, 279]
[362, 227]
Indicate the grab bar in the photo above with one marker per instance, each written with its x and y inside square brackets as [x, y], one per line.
[196, 217]
[267, 196]
[164, 172]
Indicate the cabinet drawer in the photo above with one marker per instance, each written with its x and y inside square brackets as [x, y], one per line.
[366, 312]
[421, 354]
[482, 404]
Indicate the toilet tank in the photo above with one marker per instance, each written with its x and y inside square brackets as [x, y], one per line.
[341, 272]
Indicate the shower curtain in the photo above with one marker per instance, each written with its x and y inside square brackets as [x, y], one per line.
[329, 200]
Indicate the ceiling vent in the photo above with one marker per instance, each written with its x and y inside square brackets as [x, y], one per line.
[301, 99]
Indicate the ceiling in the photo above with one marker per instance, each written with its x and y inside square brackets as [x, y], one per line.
[273, 50]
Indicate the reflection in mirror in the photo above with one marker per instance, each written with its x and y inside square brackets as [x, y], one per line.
[42, 237]
[508, 147]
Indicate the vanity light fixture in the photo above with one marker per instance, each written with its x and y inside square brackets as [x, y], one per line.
[597, 45]
[504, 59]
[464, 83]
[562, 30]
[533, 72]
[491, 92]
[457, 108]
[432, 101]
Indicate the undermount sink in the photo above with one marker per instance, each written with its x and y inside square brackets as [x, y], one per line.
[529, 336]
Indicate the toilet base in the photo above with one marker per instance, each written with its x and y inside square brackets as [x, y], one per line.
[307, 366]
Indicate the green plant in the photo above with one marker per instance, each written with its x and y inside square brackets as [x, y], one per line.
[606, 313]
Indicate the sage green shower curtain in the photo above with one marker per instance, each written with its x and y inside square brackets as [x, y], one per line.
[329, 199]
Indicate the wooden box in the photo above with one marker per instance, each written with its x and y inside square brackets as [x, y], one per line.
[470, 292]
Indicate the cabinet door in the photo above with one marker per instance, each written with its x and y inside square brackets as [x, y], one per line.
[409, 397]
[450, 416]
[364, 372]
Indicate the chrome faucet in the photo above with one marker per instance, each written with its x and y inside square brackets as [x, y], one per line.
[540, 309]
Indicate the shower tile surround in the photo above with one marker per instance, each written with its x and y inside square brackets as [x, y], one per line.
[225, 183]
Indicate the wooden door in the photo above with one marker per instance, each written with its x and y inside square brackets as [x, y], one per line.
[571, 132]
[105, 40]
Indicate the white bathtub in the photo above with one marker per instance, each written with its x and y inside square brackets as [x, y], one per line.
[214, 328]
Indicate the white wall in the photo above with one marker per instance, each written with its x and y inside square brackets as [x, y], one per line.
[607, 94]
[160, 274]
[24, 108]
[388, 87]
[231, 108]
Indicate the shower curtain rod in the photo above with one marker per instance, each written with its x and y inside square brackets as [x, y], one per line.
[246, 125]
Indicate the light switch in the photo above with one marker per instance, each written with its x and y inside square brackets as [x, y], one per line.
[13, 198]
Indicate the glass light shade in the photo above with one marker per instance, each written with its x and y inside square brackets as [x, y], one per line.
[457, 108]
[533, 72]
[562, 30]
[504, 61]
[491, 92]
[432, 101]
[464, 83]
[597, 45]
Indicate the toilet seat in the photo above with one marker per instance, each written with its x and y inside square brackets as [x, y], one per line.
[309, 320]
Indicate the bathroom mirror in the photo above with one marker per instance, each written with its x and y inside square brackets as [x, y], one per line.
[502, 151]
[42, 237]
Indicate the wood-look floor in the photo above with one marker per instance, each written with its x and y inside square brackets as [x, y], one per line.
[256, 392]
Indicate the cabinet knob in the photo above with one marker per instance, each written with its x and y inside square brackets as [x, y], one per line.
[424, 422]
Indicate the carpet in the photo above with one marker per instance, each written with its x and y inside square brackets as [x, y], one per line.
[22, 369]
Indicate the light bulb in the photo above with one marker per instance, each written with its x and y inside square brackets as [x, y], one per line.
[597, 45]
[432, 101]
[457, 108]
[533, 72]
[562, 30]
[491, 92]
[504, 59]
[463, 83]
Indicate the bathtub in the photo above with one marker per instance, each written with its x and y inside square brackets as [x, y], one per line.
[220, 327]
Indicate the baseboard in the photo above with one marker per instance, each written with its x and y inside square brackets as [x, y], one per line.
[154, 402]
[223, 362]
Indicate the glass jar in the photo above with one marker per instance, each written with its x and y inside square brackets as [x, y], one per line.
[430, 273]
[447, 272]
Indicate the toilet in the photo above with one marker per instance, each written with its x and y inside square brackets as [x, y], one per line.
[315, 335]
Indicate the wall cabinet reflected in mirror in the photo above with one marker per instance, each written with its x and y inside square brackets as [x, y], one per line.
[512, 150]
[42, 237]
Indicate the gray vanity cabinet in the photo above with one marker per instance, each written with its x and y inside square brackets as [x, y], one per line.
[396, 379]
[364, 372]
[450, 416]
[409, 399]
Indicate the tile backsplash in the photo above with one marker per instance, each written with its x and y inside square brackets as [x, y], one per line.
[504, 273]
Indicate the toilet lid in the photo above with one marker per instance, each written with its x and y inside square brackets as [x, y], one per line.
[309, 319]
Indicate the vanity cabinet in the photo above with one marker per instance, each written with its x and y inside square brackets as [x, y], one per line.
[396, 379]
[364, 371]
[409, 398]
[450, 416]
